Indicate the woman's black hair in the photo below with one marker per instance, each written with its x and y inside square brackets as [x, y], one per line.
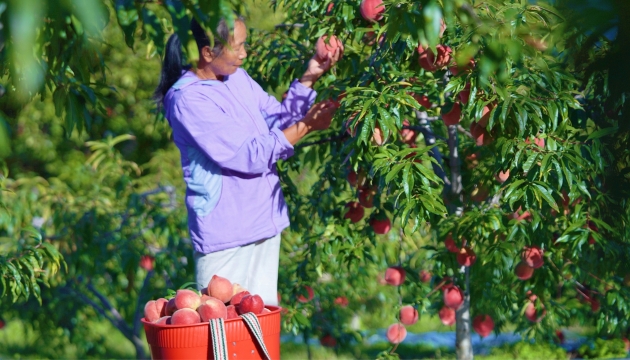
[172, 65]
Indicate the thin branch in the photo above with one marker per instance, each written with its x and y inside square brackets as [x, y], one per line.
[464, 131]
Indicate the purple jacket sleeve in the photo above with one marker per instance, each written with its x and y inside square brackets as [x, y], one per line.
[292, 109]
[202, 122]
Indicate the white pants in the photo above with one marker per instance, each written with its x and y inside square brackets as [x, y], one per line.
[253, 266]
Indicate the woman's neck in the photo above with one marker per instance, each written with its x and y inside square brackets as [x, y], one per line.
[205, 73]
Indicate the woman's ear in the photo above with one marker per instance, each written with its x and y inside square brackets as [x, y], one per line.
[206, 54]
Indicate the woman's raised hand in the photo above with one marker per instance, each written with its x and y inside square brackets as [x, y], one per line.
[320, 115]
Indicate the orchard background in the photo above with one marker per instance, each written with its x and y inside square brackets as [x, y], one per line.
[92, 222]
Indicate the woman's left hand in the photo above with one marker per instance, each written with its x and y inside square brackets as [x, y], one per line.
[317, 67]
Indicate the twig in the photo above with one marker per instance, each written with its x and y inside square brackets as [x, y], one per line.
[463, 131]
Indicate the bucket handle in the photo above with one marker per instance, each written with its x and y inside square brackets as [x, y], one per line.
[219, 339]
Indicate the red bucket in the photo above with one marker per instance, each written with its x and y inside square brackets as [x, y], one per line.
[193, 341]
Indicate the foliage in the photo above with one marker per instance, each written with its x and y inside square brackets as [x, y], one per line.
[603, 349]
[525, 350]
[93, 166]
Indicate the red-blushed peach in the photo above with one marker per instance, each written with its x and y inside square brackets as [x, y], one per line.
[151, 312]
[595, 305]
[213, 308]
[237, 288]
[485, 116]
[396, 333]
[532, 314]
[452, 115]
[502, 176]
[164, 320]
[453, 297]
[381, 225]
[367, 194]
[326, 45]
[231, 312]
[466, 256]
[395, 275]
[372, 10]
[591, 225]
[430, 62]
[352, 178]
[425, 276]
[408, 136]
[408, 315]
[481, 136]
[468, 67]
[464, 95]
[378, 138]
[265, 310]
[147, 262]
[533, 256]
[328, 341]
[423, 100]
[447, 316]
[205, 297]
[540, 142]
[479, 194]
[342, 301]
[237, 298]
[330, 8]
[160, 304]
[483, 325]
[355, 212]
[185, 316]
[450, 244]
[170, 307]
[220, 288]
[309, 291]
[185, 298]
[523, 271]
[250, 303]
[626, 343]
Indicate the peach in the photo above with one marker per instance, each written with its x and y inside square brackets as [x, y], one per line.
[170, 307]
[147, 262]
[408, 315]
[265, 310]
[367, 195]
[464, 95]
[466, 256]
[523, 271]
[164, 320]
[396, 333]
[540, 142]
[378, 138]
[450, 244]
[185, 298]
[423, 100]
[238, 297]
[533, 256]
[408, 136]
[212, 309]
[502, 176]
[456, 69]
[309, 292]
[220, 288]
[372, 10]
[250, 303]
[185, 316]
[326, 45]
[425, 276]
[447, 316]
[531, 313]
[355, 212]
[485, 116]
[151, 312]
[479, 194]
[481, 136]
[591, 225]
[237, 288]
[395, 275]
[330, 8]
[430, 62]
[381, 226]
[352, 178]
[231, 312]
[341, 301]
[205, 297]
[452, 115]
[328, 341]
[453, 297]
[483, 325]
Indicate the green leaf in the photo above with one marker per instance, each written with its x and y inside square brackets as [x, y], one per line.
[546, 194]
[127, 16]
[602, 132]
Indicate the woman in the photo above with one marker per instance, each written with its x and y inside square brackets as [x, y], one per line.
[230, 134]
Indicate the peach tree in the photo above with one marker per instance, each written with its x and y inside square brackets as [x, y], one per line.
[489, 134]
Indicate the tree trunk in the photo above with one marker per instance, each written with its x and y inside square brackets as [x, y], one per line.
[463, 342]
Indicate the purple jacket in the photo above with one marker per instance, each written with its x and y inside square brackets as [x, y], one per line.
[230, 137]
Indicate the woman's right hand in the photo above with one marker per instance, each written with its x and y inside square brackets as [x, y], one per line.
[320, 115]
[317, 118]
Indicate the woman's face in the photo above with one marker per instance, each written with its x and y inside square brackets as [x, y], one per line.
[232, 56]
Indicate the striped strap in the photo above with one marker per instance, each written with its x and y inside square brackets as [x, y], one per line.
[251, 320]
[217, 335]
